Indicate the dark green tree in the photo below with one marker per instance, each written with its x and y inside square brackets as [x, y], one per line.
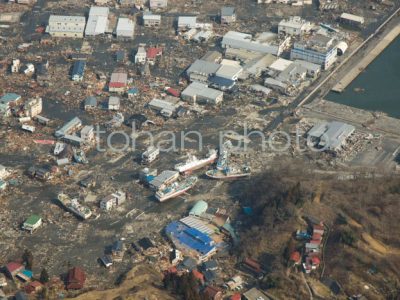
[44, 276]
[28, 259]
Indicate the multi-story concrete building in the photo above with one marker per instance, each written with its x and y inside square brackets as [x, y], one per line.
[294, 26]
[151, 20]
[66, 26]
[33, 107]
[319, 49]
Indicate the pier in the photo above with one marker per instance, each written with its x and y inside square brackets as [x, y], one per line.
[363, 63]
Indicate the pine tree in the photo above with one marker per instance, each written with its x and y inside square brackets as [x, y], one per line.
[44, 276]
[28, 259]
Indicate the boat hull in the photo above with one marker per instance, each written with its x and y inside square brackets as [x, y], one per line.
[221, 176]
[200, 165]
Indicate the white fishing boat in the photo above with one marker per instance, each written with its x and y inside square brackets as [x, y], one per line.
[176, 189]
[59, 147]
[229, 173]
[193, 163]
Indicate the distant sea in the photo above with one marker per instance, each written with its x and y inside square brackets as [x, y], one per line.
[378, 87]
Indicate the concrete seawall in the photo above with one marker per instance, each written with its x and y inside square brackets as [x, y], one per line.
[363, 63]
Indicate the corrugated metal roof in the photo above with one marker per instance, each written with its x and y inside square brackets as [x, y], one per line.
[196, 223]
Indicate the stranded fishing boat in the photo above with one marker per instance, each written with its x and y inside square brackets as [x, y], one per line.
[229, 173]
[59, 147]
[74, 206]
[193, 163]
[176, 189]
[80, 157]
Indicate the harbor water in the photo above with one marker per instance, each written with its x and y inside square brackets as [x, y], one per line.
[378, 87]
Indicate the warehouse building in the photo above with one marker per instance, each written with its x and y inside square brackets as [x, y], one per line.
[265, 42]
[350, 19]
[125, 28]
[330, 136]
[319, 49]
[98, 21]
[200, 70]
[66, 26]
[198, 92]
[69, 127]
[186, 23]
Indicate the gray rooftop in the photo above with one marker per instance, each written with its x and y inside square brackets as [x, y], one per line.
[203, 67]
[227, 11]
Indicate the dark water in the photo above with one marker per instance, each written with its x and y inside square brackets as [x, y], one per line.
[379, 84]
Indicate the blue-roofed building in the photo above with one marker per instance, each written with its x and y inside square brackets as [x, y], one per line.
[10, 98]
[191, 240]
[78, 70]
[25, 275]
[132, 92]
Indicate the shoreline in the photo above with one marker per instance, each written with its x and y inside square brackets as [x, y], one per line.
[367, 60]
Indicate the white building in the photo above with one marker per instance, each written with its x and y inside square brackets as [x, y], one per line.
[113, 200]
[151, 20]
[113, 103]
[66, 26]
[265, 42]
[351, 19]
[186, 23]
[319, 50]
[199, 92]
[125, 28]
[98, 21]
[87, 133]
[140, 57]
[3, 172]
[294, 26]
[33, 107]
[16, 64]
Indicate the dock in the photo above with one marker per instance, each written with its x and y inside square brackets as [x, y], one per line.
[368, 58]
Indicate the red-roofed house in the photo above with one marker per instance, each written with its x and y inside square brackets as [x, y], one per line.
[295, 257]
[173, 92]
[76, 279]
[152, 54]
[14, 268]
[118, 82]
[212, 293]
[318, 229]
[316, 236]
[236, 297]
[33, 287]
[199, 276]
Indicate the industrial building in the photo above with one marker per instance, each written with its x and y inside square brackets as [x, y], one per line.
[266, 42]
[166, 107]
[98, 21]
[200, 70]
[190, 240]
[151, 20]
[66, 26]
[198, 92]
[125, 28]
[78, 70]
[350, 19]
[319, 49]
[330, 136]
[295, 26]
